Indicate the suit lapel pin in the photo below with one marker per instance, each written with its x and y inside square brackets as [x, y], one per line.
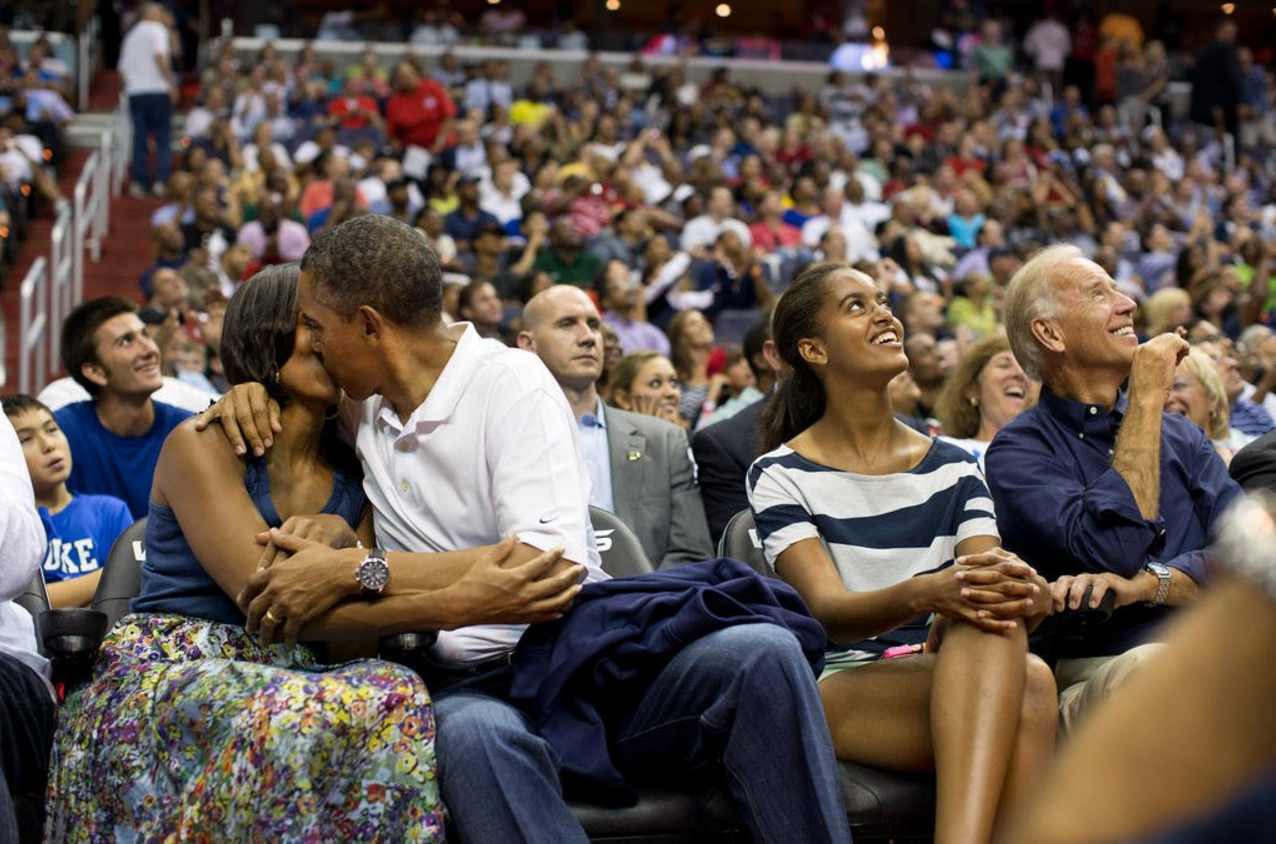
[633, 455]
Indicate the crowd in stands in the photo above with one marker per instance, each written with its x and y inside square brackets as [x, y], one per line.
[35, 96]
[923, 327]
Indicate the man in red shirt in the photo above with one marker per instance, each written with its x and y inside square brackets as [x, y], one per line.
[420, 112]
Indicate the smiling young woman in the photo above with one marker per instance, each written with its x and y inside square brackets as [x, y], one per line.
[882, 529]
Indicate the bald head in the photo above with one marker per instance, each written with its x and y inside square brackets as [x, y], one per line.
[545, 306]
[561, 326]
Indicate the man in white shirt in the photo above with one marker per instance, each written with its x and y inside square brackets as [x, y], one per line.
[27, 709]
[463, 441]
[701, 233]
[148, 83]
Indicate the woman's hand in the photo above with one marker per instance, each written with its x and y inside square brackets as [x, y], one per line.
[1004, 586]
[990, 590]
[324, 528]
[279, 599]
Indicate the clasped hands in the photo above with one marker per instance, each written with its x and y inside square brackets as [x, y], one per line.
[992, 590]
[309, 567]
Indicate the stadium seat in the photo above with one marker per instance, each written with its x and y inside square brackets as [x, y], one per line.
[618, 547]
[35, 600]
[893, 804]
[122, 574]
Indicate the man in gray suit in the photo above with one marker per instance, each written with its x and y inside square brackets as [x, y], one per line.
[640, 466]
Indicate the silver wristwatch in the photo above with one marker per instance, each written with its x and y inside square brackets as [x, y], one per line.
[373, 573]
[1163, 575]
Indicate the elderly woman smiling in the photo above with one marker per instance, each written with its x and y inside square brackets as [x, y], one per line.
[1198, 393]
[986, 390]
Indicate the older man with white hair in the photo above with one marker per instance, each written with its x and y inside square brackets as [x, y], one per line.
[1095, 486]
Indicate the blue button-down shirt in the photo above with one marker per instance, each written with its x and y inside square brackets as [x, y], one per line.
[1064, 509]
[593, 442]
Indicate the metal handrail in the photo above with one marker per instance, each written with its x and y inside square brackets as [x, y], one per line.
[34, 323]
[87, 198]
[55, 284]
[62, 252]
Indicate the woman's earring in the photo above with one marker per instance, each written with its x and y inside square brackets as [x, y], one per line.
[274, 374]
[974, 402]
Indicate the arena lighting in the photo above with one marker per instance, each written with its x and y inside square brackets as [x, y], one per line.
[723, 10]
[613, 5]
[1228, 8]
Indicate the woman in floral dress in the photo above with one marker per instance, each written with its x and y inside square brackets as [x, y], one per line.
[192, 729]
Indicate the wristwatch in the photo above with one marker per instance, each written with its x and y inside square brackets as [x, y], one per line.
[373, 572]
[1162, 572]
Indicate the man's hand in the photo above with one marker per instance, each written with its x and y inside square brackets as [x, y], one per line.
[324, 528]
[1067, 591]
[247, 414]
[495, 592]
[1154, 363]
[278, 600]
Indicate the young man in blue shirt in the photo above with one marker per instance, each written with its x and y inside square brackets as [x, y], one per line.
[115, 436]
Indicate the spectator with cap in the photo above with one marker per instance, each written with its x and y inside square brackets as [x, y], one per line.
[468, 218]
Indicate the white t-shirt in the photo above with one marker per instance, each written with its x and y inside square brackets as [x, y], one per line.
[492, 449]
[704, 230]
[144, 42]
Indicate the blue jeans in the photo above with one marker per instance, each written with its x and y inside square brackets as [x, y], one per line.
[744, 696]
[152, 114]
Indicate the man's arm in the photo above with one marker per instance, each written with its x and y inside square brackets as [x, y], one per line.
[722, 484]
[688, 531]
[1055, 519]
[22, 539]
[1137, 457]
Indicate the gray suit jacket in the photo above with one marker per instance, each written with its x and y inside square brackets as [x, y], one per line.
[653, 485]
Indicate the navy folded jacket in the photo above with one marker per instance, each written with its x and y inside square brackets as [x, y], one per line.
[568, 673]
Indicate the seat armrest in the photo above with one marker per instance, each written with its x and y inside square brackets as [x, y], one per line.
[71, 637]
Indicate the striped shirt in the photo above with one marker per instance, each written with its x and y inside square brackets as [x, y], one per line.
[878, 529]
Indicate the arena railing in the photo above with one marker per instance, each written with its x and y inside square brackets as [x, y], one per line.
[771, 77]
[33, 326]
[55, 284]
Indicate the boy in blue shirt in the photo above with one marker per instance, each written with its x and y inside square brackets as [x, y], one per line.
[80, 528]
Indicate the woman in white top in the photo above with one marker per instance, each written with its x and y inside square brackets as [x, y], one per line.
[864, 516]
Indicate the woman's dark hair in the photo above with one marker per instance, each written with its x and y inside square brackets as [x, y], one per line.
[798, 403]
[260, 329]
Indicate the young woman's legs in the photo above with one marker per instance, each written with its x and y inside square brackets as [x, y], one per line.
[958, 711]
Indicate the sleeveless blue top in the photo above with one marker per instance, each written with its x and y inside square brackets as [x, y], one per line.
[173, 581]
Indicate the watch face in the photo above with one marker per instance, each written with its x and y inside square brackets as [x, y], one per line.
[373, 574]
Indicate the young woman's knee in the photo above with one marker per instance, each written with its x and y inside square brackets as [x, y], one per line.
[1040, 695]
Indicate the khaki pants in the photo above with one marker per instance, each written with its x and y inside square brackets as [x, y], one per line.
[1085, 682]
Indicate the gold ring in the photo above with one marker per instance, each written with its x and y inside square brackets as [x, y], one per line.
[270, 614]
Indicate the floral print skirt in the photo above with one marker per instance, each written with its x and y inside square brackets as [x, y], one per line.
[192, 731]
